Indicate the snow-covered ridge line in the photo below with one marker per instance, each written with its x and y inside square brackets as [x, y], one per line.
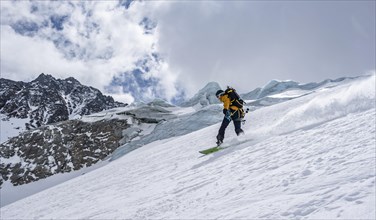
[278, 86]
[347, 98]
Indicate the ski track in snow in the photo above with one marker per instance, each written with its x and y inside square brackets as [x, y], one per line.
[302, 159]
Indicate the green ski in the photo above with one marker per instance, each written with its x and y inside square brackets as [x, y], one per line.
[212, 150]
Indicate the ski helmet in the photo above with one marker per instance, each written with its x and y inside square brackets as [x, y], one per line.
[219, 93]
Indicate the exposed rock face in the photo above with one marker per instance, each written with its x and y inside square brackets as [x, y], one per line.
[48, 100]
[53, 144]
[58, 148]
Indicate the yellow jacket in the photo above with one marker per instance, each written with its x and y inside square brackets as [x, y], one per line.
[227, 103]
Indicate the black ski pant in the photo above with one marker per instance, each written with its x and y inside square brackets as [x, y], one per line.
[235, 117]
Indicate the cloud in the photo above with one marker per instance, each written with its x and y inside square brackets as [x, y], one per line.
[119, 95]
[247, 43]
[24, 57]
[93, 41]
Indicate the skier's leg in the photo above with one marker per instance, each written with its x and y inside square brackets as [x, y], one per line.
[237, 123]
[222, 129]
[238, 129]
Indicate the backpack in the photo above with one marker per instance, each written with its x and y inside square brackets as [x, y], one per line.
[234, 97]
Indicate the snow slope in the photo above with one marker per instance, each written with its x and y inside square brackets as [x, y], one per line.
[308, 158]
[11, 127]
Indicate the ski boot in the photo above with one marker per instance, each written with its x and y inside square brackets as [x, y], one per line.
[239, 132]
[219, 140]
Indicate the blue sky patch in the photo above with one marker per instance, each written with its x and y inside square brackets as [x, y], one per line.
[26, 28]
[58, 21]
[126, 3]
[135, 83]
[148, 25]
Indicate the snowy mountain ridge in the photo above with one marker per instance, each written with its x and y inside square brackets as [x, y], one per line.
[277, 91]
[46, 100]
[277, 86]
[204, 97]
[309, 157]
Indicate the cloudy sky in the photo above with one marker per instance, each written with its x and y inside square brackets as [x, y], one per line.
[145, 49]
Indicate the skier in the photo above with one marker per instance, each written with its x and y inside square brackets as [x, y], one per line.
[232, 109]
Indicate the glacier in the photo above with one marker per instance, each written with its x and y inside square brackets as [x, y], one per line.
[310, 156]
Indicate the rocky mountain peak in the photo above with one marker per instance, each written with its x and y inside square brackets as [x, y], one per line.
[48, 100]
[46, 81]
[72, 80]
[44, 77]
